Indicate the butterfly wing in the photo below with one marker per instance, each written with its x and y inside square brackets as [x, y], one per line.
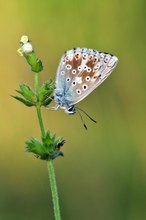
[81, 70]
[64, 73]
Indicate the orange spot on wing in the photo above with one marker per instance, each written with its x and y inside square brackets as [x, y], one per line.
[76, 55]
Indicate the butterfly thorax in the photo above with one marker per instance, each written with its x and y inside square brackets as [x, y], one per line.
[63, 103]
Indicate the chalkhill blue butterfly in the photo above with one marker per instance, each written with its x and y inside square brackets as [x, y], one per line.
[80, 71]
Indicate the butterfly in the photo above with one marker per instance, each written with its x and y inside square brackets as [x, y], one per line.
[80, 71]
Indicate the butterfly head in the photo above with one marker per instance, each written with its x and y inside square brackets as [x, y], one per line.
[70, 110]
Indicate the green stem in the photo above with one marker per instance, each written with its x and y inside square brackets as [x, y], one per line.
[38, 107]
[49, 163]
[54, 190]
[37, 84]
[39, 114]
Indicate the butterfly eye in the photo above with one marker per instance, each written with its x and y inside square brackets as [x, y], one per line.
[68, 66]
[78, 91]
[88, 78]
[62, 72]
[74, 71]
[68, 79]
[84, 87]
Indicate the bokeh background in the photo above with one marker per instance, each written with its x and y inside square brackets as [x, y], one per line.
[103, 173]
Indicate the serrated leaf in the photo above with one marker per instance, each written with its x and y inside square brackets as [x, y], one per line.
[45, 92]
[35, 146]
[49, 148]
[48, 142]
[25, 102]
[27, 93]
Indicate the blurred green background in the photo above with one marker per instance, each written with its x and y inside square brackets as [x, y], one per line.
[103, 173]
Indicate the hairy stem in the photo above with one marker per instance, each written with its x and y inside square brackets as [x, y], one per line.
[39, 114]
[50, 166]
[38, 107]
[37, 84]
[54, 190]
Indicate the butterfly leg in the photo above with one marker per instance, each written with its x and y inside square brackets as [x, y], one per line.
[53, 108]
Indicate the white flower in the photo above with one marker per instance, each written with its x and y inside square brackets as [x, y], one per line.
[26, 46]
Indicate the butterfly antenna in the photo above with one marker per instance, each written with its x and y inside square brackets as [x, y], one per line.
[82, 119]
[86, 114]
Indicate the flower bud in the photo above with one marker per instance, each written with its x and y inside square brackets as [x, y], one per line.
[26, 47]
[27, 51]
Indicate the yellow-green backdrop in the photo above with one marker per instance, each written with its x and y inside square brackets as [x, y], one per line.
[103, 173]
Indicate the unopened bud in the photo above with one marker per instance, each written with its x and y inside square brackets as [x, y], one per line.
[26, 46]
[27, 51]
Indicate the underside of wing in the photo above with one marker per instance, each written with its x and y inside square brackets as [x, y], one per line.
[81, 70]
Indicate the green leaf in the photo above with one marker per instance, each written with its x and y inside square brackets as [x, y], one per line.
[49, 148]
[34, 146]
[48, 142]
[45, 92]
[27, 93]
[25, 102]
[53, 144]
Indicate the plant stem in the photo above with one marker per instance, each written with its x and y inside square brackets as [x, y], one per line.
[38, 108]
[54, 190]
[50, 166]
[37, 84]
